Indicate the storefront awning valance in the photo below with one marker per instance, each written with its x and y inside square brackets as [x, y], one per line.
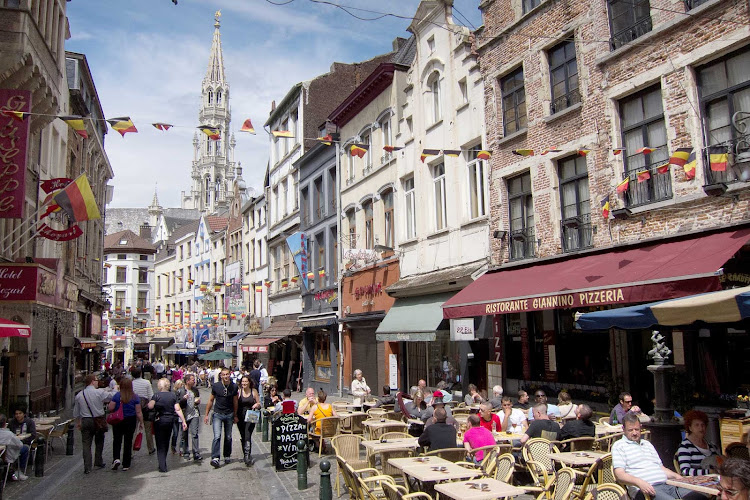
[317, 320]
[89, 342]
[161, 340]
[256, 344]
[237, 338]
[726, 306]
[413, 319]
[280, 329]
[655, 271]
[10, 328]
[174, 349]
[208, 344]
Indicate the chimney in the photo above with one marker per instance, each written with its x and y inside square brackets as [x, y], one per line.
[398, 42]
[145, 232]
[273, 105]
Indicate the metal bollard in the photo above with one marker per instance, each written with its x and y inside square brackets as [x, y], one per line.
[301, 465]
[71, 439]
[325, 480]
[264, 426]
[39, 458]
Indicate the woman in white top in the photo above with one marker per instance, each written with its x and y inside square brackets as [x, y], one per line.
[360, 389]
[566, 406]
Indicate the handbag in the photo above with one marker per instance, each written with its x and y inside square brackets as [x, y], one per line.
[116, 416]
[252, 416]
[100, 423]
[138, 441]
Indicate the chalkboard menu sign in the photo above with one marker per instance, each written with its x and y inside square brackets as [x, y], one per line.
[288, 429]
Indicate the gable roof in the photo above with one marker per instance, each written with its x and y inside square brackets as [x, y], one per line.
[127, 240]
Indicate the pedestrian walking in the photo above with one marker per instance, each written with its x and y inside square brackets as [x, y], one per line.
[223, 401]
[248, 399]
[89, 414]
[176, 427]
[122, 433]
[145, 391]
[167, 411]
[189, 399]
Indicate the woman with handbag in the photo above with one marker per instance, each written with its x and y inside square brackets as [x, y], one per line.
[132, 416]
[167, 411]
[247, 412]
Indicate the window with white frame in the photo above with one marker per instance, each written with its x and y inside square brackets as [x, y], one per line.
[367, 141]
[463, 91]
[349, 168]
[276, 213]
[277, 266]
[387, 198]
[369, 233]
[433, 82]
[438, 182]
[431, 44]
[476, 184]
[286, 141]
[410, 204]
[351, 223]
[386, 135]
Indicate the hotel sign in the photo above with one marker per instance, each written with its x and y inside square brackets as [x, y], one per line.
[14, 133]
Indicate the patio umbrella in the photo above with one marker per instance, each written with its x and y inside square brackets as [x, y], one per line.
[12, 329]
[216, 356]
[725, 306]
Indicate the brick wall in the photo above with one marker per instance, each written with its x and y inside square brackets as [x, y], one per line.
[666, 56]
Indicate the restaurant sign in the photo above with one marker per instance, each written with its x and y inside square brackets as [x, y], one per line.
[569, 300]
[14, 133]
[32, 282]
[254, 348]
[462, 329]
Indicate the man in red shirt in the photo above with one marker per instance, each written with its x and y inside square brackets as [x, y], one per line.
[487, 419]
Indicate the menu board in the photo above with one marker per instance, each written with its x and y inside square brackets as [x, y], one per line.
[288, 429]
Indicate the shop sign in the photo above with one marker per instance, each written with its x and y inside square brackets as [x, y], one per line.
[462, 329]
[254, 348]
[19, 283]
[327, 295]
[368, 291]
[570, 300]
[14, 135]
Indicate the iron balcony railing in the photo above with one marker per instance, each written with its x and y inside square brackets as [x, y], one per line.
[657, 188]
[522, 244]
[576, 233]
[565, 101]
[632, 32]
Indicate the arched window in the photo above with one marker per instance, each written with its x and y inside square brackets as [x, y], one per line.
[218, 97]
[208, 146]
[210, 96]
[208, 190]
[433, 82]
[217, 148]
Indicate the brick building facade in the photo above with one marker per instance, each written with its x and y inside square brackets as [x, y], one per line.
[573, 83]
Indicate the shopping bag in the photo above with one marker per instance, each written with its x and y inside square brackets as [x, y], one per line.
[138, 441]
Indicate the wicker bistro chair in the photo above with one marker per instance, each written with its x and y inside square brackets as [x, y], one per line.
[604, 420]
[604, 443]
[737, 450]
[596, 474]
[346, 447]
[352, 424]
[396, 435]
[398, 492]
[371, 488]
[388, 469]
[377, 432]
[577, 444]
[541, 468]
[450, 454]
[505, 466]
[607, 491]
[329, 427]
[376, 412]
[563, 484]
[352, 477]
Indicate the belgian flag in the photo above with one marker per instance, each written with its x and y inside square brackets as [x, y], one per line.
[523, 152]
[717, 158]
[358, 150]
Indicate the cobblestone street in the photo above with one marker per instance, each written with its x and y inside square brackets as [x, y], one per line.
[64, 478]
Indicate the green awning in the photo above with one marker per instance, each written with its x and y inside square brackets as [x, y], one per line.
[413, 319]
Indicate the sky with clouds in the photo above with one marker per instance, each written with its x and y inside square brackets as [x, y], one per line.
[148, 58]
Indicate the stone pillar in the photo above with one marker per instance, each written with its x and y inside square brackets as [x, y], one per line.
[664, 427]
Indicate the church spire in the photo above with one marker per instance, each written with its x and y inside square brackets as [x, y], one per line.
[215, 72]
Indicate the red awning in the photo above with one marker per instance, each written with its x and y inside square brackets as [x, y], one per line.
[12, 329]
[651, 272]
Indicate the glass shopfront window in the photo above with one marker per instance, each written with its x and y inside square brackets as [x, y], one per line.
[323, 357]
[434, 361]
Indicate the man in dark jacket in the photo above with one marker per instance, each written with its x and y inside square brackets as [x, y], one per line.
[386, 399]
[582, 426]
[439, 435]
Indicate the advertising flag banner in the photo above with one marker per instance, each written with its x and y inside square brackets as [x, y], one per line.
[297, 244]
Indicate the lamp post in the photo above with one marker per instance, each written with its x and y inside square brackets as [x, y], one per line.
[340, 257]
